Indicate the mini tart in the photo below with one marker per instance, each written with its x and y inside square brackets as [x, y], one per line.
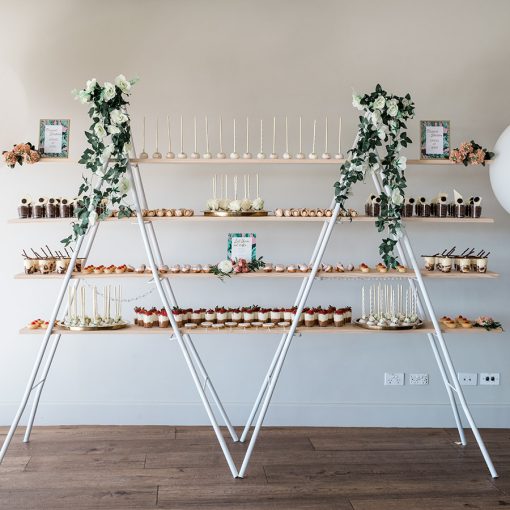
[160, 213]
[291, 268]
[196, 268]
[206, 324]
[401, 268]
[120, 269]
[130, 269]
[450, 324]
[279, 268]
[244, 325]
[44, 325]
[257, 324]
[34, 325]
[88, 269]
[268, 325]
[140, 269]
[381, 268]
[304, 268]
[190, 325]
[364, 268]
[268, 268]
[99, 269]
[186, 268]
[206, 268]
[175, 269]
[230, 324]
[466, 324]
[218, 326]
[163, 269]
[278, 212]
[284, 324]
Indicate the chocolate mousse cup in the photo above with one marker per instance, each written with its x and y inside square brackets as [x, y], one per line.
[430, 262]
[481, 264]
[61, 265]
[24, 211]
[445, 264]
[38, 211]
[31, 266]
[465, 264]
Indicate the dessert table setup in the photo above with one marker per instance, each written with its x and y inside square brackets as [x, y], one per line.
[393, 298]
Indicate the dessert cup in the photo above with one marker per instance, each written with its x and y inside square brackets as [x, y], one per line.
[78, 266]
[24, 211]
[481, 264]
[44, 266]
[464, 265]
[430, 262]
[61, 265]
[31, 266]
[445, 264]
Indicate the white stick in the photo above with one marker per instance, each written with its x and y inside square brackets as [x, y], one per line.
[314, 130]
[258, 195]
[206, 135]
[157, 134]
[169, 135]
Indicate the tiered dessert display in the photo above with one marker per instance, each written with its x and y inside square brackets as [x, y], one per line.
[382, 116]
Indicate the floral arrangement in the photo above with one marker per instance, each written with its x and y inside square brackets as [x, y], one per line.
[229, 267]
[470, 153]
[21, 153]
[109, 138]
[383, 123]
[488, 323]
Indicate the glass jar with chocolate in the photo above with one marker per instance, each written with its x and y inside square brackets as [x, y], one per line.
[61, 265]
[445, 263]
[460, 210]
[25, 208]
[45, 266]
[38, 211]
[31, 266]
[66, 208]
[430, 262]
[52, 210]
[408, 208]
[465, 264]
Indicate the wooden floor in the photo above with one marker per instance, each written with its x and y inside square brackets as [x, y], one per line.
[79, 468]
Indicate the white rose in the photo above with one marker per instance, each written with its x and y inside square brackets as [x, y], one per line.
[396, 197]
[402, 163]
[108, 91]
[356, 101]
[99, 130]
[113, 130]
[117, 117]
[83, 97]
[376, 117]
[226, 266]
[393, 110]
[91, 85]
[379, 103]
[124, 185]
[92, 218]
[391, 102]
[123, 84]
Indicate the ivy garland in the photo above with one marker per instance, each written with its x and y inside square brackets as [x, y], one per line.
[383, 122]
[109, 138]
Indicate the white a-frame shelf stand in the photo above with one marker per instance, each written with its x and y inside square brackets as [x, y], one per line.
[197, 370]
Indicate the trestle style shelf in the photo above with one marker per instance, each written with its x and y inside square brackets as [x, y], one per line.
[263, 219]
[347, 329]
[432, 329]
[348, 275]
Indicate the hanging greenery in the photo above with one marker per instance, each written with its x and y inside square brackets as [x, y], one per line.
[382, 124]
[107, 154]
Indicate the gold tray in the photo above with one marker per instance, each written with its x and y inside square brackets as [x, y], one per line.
[240, 213]
[390, 328]
[95, 328]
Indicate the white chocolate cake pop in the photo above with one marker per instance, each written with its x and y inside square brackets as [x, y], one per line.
[273, 154]
[300, 154]
[143, 154]
[326, 154]
[207, 154]
[195, 154]
[169, 154]
[286, 154]
[234, 154]
[247, 154]
[221, 154]
[313, 154]
[339, 154]
[261, 154]
[157, 154]
[182, 154]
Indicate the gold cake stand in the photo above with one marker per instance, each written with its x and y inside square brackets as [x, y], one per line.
[416, 325]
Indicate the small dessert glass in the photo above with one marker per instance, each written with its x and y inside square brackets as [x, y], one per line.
[44, 266]
[430, 263]
[481, 264]
[31, 266]
[465, 265]
[78, 266]
[445, 264]
[61, 265]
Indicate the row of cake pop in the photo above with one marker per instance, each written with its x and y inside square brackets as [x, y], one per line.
[247, 154]
[220, 201]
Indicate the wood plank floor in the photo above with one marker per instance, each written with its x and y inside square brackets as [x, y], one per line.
[114, 467]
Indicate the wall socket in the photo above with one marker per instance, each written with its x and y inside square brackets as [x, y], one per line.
[489, 379]
[393, 379]
[418, 379]
[467, 378]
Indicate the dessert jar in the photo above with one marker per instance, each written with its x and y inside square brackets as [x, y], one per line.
[61, 265]
[287, 315]
[464, 264]
[196, 317]
[459, 210]
[263, 315]
[348, 315]
[163, 320]
[339, 318]
[78, 265]
[430, 262]
[178, 317]
[149, 319]
[310, 317]
[248, 315]
[481, 264]
[445, 264]
[66, 209]
[237, 316]
[275, 316]
[24, 211]
[44, 266]
[221, 315]
[38, 211]
[31, 266]
[52, 209]
[210, 316]
[322, 317]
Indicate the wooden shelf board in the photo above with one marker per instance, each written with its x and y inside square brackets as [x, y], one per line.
[270, 218]
[347, 329]
[260, 274]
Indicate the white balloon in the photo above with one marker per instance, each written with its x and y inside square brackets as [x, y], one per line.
[500, 170]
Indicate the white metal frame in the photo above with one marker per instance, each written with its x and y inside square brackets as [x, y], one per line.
[192, 358]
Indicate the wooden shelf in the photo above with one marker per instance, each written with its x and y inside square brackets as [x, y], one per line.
[270, 218]
[347, 329]
[351, 275]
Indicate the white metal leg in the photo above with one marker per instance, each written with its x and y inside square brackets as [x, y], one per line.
[176, 331]
[187, 338]
[90, 240]
[288, 340]
[430, 336]
[267, 378]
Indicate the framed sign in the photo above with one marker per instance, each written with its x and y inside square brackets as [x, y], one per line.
[54, 138]
[242, 246]
[435, 139]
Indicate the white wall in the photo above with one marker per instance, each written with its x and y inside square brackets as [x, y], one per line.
[257, 59]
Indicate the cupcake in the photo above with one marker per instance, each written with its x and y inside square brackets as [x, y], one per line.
[186, 268]
[364, 268]
[304, 268]
[292, 268]
[381, 268]
[196, 268]
[206, 268]
[163, 269]
[175, 269]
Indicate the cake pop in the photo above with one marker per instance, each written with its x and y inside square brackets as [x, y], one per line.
[273, 154]
[326, 154]
[261, 154]
[313, 154]
[169, 154]
[234, 154]
[247, 154]
[182, 154]
[286, 154]
[207, 154]
[221, 154]
[300, 154]
[339, 154]
[157, 154]
[195, 154]
[143, 154]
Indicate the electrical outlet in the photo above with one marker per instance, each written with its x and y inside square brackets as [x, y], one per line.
[467, 378]
[418, 379]
[489, 379]
[393, 379]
